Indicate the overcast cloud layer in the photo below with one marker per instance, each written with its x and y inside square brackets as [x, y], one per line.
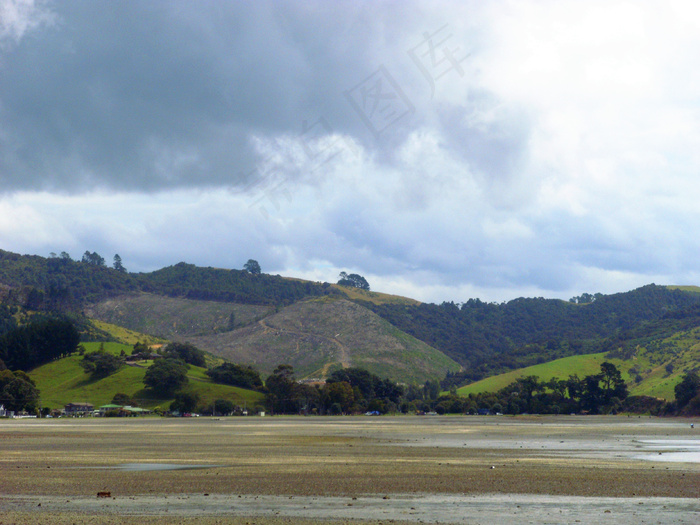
[444, 150]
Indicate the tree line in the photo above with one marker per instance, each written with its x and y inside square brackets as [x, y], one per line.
[61, 283]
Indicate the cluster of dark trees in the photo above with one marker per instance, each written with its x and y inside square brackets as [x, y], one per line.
[354, 390]
[186, 352]
[241, 286]
[687, 393]
[236, 375]
[350, 390]
[353, 280]
[604, 392]
[166, 376]
[101, 364]
[37, 342]
[18, 392]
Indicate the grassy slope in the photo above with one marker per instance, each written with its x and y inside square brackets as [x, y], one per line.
[64, 381]
[582, 365]
[694, 289]
[355, 294]
[649, 363]
[126, 336]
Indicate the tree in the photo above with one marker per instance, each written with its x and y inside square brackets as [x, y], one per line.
[189, 353]
[592, 395]
[93, 259]
[613, 384]
[118, 264]
[39, 342]
[252, 267]
[340, 393]
[236, 375]
[431, 389]
[185, 402]
[222, 407]
[687, 389]
[141, 349]
[280, 385]
[353, 280]
[165, 376]
[359, 378]
[122, 399]
[101, 364]
[18, 392]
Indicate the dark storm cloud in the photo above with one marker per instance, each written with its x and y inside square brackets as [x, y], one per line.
[151, 95]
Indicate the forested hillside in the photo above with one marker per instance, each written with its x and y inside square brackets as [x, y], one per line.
[489, 338]
[485, 338]
[60, 283]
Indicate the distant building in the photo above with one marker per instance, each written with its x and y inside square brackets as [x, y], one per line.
[78, 409]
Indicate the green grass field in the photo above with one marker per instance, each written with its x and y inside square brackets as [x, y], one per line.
[64, 381]
[694, 289]
[126, 336]
[582, 365]
[656, 380]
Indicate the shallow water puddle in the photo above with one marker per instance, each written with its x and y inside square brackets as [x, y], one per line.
[149, 467]
[672, 450]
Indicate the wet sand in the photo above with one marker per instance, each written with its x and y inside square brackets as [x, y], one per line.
[406, 469]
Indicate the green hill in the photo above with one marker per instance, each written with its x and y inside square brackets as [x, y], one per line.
[266, 320]
[64, 381]
[315, 336]
[491, 338]
[652, 360]
[582, 365]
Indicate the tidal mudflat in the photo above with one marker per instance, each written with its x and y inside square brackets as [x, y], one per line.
[470, 469]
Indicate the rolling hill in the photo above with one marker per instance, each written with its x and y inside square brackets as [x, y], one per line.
[64, 381]
[266, 320]
[315, 336]
[653, 359]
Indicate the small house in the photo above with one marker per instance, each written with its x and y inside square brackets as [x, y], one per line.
[78, 409]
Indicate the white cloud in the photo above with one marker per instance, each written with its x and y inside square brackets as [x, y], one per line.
[564, 158]
[18, 17]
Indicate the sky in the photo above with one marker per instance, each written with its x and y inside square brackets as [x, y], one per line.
[443, 150]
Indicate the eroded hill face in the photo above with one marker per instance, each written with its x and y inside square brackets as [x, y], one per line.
[320, 335]
[174, 318]
[315, 336]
